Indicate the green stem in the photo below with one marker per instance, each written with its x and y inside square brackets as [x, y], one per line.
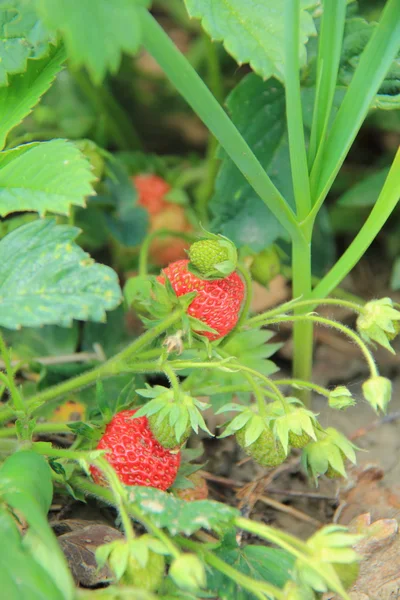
[292, 545]
[195, 92]
[374, 64]
[294, 114]
[16, 397]
[120, 496]
[337, 292]
[159, 233]
[258, 394]
[115, 365]
[303, 330]
[261, 589]
[386, 203]
[173, 380]
[291, 305]
[119, 124]
[44, 449]
[335, 325]
[329, 52]
[305, 384]
[92, 489]
[215, 82]
[40, 428]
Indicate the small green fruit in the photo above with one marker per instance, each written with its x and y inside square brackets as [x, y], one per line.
[147, 578]
[299, 441]
[266, 451]
[207, 253]
[266, 265]
[165, 433]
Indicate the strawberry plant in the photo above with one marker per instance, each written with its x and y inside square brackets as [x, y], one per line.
[184, 238]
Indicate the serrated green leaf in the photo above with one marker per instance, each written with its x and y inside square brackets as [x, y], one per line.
[95, 37]
[24, 90]
[23, 36]
[179, 516]
[43, 177]
[259, 562]
[253, 31]
[45, 278]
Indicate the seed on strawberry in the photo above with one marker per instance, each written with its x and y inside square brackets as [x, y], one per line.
[299, 441]
[266, 450]
[218, 302]
[165, 433]
[149, 577]
[137, 457]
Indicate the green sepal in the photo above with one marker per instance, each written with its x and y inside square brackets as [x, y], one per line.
[378, 392]
[328, 453]
[291, 419]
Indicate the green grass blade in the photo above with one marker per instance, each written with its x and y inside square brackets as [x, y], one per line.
[198, 96]
[329, 51]
[294, 115]
[386, 203]
[373, 66]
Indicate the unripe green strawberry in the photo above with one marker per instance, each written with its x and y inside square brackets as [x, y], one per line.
[266, 265]
[298, 441]
[213, 257]
[206, 253]
[165, 433]
[266, 451]
[147, 578]
[331, 473]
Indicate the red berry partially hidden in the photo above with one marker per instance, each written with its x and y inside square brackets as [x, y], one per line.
[151, 191]
[218, 302]
[135, 454]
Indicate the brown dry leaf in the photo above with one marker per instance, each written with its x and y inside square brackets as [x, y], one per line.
[365, 492]
[79, 546]
[264, 298]
[379, 576]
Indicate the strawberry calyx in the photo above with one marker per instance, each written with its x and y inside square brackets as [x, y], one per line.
[138, 562]
[212, 257]
[292, 423]
[172, 419]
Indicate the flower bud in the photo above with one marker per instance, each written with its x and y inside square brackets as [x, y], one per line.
[377, 322]
[340, 398]
[188, 572]
[378, 392]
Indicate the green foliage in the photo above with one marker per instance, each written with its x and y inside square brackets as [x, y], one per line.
[258, 110]
[357, 33]
[260, 562]
[50, 340]
[63, 178]
[23, 36]
[95, 38]
[365, 192]
[25, 90]
[47, 279]
[26, 486]
[179, 516]
[253, 32]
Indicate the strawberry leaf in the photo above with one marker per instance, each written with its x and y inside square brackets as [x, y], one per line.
[253, 32]
[23, 36]
[45, 278]
[179, 516]
[43, 177]
[95, 36]
[24, 90]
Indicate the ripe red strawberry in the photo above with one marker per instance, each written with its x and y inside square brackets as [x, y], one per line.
[218, 302]
[151, 191]
[135, 454]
